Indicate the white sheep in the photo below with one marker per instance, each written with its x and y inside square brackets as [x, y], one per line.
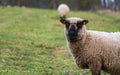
[95, 50]
[65, 9]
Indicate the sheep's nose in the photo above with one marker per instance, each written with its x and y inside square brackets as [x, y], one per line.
[72, 34]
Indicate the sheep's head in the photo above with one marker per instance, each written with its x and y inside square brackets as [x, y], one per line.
[74, 28]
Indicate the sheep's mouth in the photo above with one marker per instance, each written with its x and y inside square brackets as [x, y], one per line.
[72, 35]
[72, 38]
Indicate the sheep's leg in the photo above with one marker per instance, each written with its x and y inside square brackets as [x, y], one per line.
[95, 67]
[95, 73]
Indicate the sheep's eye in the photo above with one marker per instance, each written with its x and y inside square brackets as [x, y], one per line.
[67, 24]
[79, 25]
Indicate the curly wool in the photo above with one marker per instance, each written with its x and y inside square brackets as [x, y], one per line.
[99, 49]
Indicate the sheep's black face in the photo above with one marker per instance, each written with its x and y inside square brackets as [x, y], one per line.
[73, 28]
[72, 33]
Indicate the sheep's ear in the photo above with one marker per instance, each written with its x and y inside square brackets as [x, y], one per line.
[62, 20]
[84, 22]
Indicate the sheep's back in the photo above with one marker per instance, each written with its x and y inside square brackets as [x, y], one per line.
[110, 41]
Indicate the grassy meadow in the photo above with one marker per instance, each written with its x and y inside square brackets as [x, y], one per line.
[32, 40]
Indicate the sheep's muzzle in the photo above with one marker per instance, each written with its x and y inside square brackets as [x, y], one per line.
[72, 34]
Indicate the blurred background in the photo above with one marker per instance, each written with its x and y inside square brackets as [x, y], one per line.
[74, 4]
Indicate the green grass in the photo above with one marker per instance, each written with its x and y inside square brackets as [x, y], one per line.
[32, 41]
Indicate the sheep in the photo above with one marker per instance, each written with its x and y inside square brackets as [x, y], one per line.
[94, 50]
[65, 9]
